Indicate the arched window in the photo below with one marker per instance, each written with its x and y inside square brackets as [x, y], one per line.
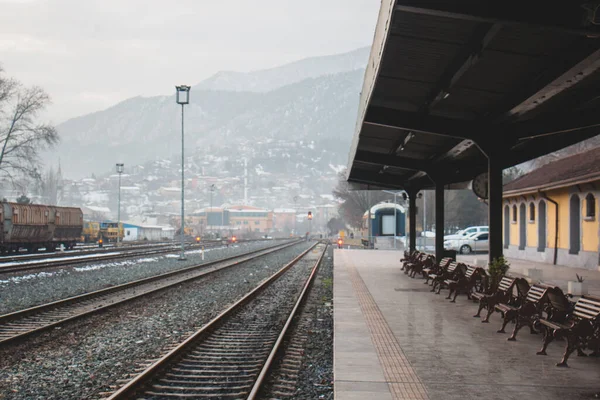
[531, 212]
[522, 227]
[542, 226]
[506, 226]
[575, 225]
[514, 214]
[590, 206]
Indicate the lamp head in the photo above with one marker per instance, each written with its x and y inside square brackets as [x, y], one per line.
[183, 94]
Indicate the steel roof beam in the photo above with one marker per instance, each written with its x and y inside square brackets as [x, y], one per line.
[564, 81]
[417, 122]
[374, 178]
[565, 16]
[370, 157]
[466, 58]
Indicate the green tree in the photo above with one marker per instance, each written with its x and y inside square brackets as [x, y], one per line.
[22, 199]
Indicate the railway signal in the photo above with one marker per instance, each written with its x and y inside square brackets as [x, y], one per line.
[100, 241]
[340, 243]
[197, 239]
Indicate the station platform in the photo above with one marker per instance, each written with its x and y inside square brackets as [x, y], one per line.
[394, 339]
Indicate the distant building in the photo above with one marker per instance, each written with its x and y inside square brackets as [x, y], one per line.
[237, 217]
[553, 211]
[284, 219]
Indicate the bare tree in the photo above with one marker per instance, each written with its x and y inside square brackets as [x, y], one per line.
[50, 187]
[21, 137]
[356, 202]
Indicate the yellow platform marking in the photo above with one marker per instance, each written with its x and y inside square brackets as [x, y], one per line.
[402, 380]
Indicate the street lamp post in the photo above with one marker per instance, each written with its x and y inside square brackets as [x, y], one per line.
[395, 217]
[295, 215]
[212, 189]
[183, 98]
[120, 168]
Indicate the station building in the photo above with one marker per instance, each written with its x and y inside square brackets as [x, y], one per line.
[550, 214]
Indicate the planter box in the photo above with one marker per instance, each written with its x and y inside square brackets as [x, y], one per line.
[577, 288]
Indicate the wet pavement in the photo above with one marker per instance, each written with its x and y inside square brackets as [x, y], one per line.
[393, 339]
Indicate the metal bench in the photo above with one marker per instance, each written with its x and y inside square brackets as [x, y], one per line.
[409, 266]
[580, 326]
[527, 312]
[417, 268]
[429, 273]
[453, 271]
[465, 283]
[504, 294]
[409, 258]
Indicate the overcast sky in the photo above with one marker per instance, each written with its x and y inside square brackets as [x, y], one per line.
[90, 54]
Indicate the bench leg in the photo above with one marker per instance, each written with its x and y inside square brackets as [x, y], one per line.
[490, 311]
[439, 289]
[570, 348]
[507, 318]
[435, 285]
[518, 327]
[451, 290]
[548, 338]
[455, 294]
[480, 307]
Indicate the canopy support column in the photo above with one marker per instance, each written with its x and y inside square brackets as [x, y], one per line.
[439, 221]
[412, 220]
[495, 206]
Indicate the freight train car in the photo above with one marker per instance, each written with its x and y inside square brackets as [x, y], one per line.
[35, 226]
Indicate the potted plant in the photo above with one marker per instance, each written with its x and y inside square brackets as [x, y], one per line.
[578, 287]
[496, 270]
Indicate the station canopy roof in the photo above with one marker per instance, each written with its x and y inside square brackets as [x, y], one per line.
[449, 82]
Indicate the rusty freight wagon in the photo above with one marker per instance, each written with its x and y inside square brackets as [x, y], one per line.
[35, 226]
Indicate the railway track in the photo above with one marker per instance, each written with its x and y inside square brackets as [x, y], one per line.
[109, 256]
[230, 357]
[80, 252]
[19, 324]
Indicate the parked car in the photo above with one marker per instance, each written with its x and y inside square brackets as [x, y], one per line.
[464, 233]
[473, 243]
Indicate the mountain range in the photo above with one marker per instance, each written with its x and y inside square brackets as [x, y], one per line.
[313, 100]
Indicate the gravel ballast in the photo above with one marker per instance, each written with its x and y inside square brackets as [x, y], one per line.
[19, 291]
[312, 331]
[83, 358]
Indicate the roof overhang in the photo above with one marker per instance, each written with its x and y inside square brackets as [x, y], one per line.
[449, 83]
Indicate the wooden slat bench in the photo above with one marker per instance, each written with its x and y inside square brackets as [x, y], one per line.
[415, 264]
[526, 313]
[409, 258]
[464, 284]
[510, 291]
[417, 268]
[436, 268]
[580, 327]
[453, 271]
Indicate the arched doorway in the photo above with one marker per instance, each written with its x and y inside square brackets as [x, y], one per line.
[522, 226]
[542, 226]
[574, 225]
[506, 226]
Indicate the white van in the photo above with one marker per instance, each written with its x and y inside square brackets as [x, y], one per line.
[464, 233]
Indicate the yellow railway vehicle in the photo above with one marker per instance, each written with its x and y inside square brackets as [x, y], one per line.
[109, 231]
[91, 232]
